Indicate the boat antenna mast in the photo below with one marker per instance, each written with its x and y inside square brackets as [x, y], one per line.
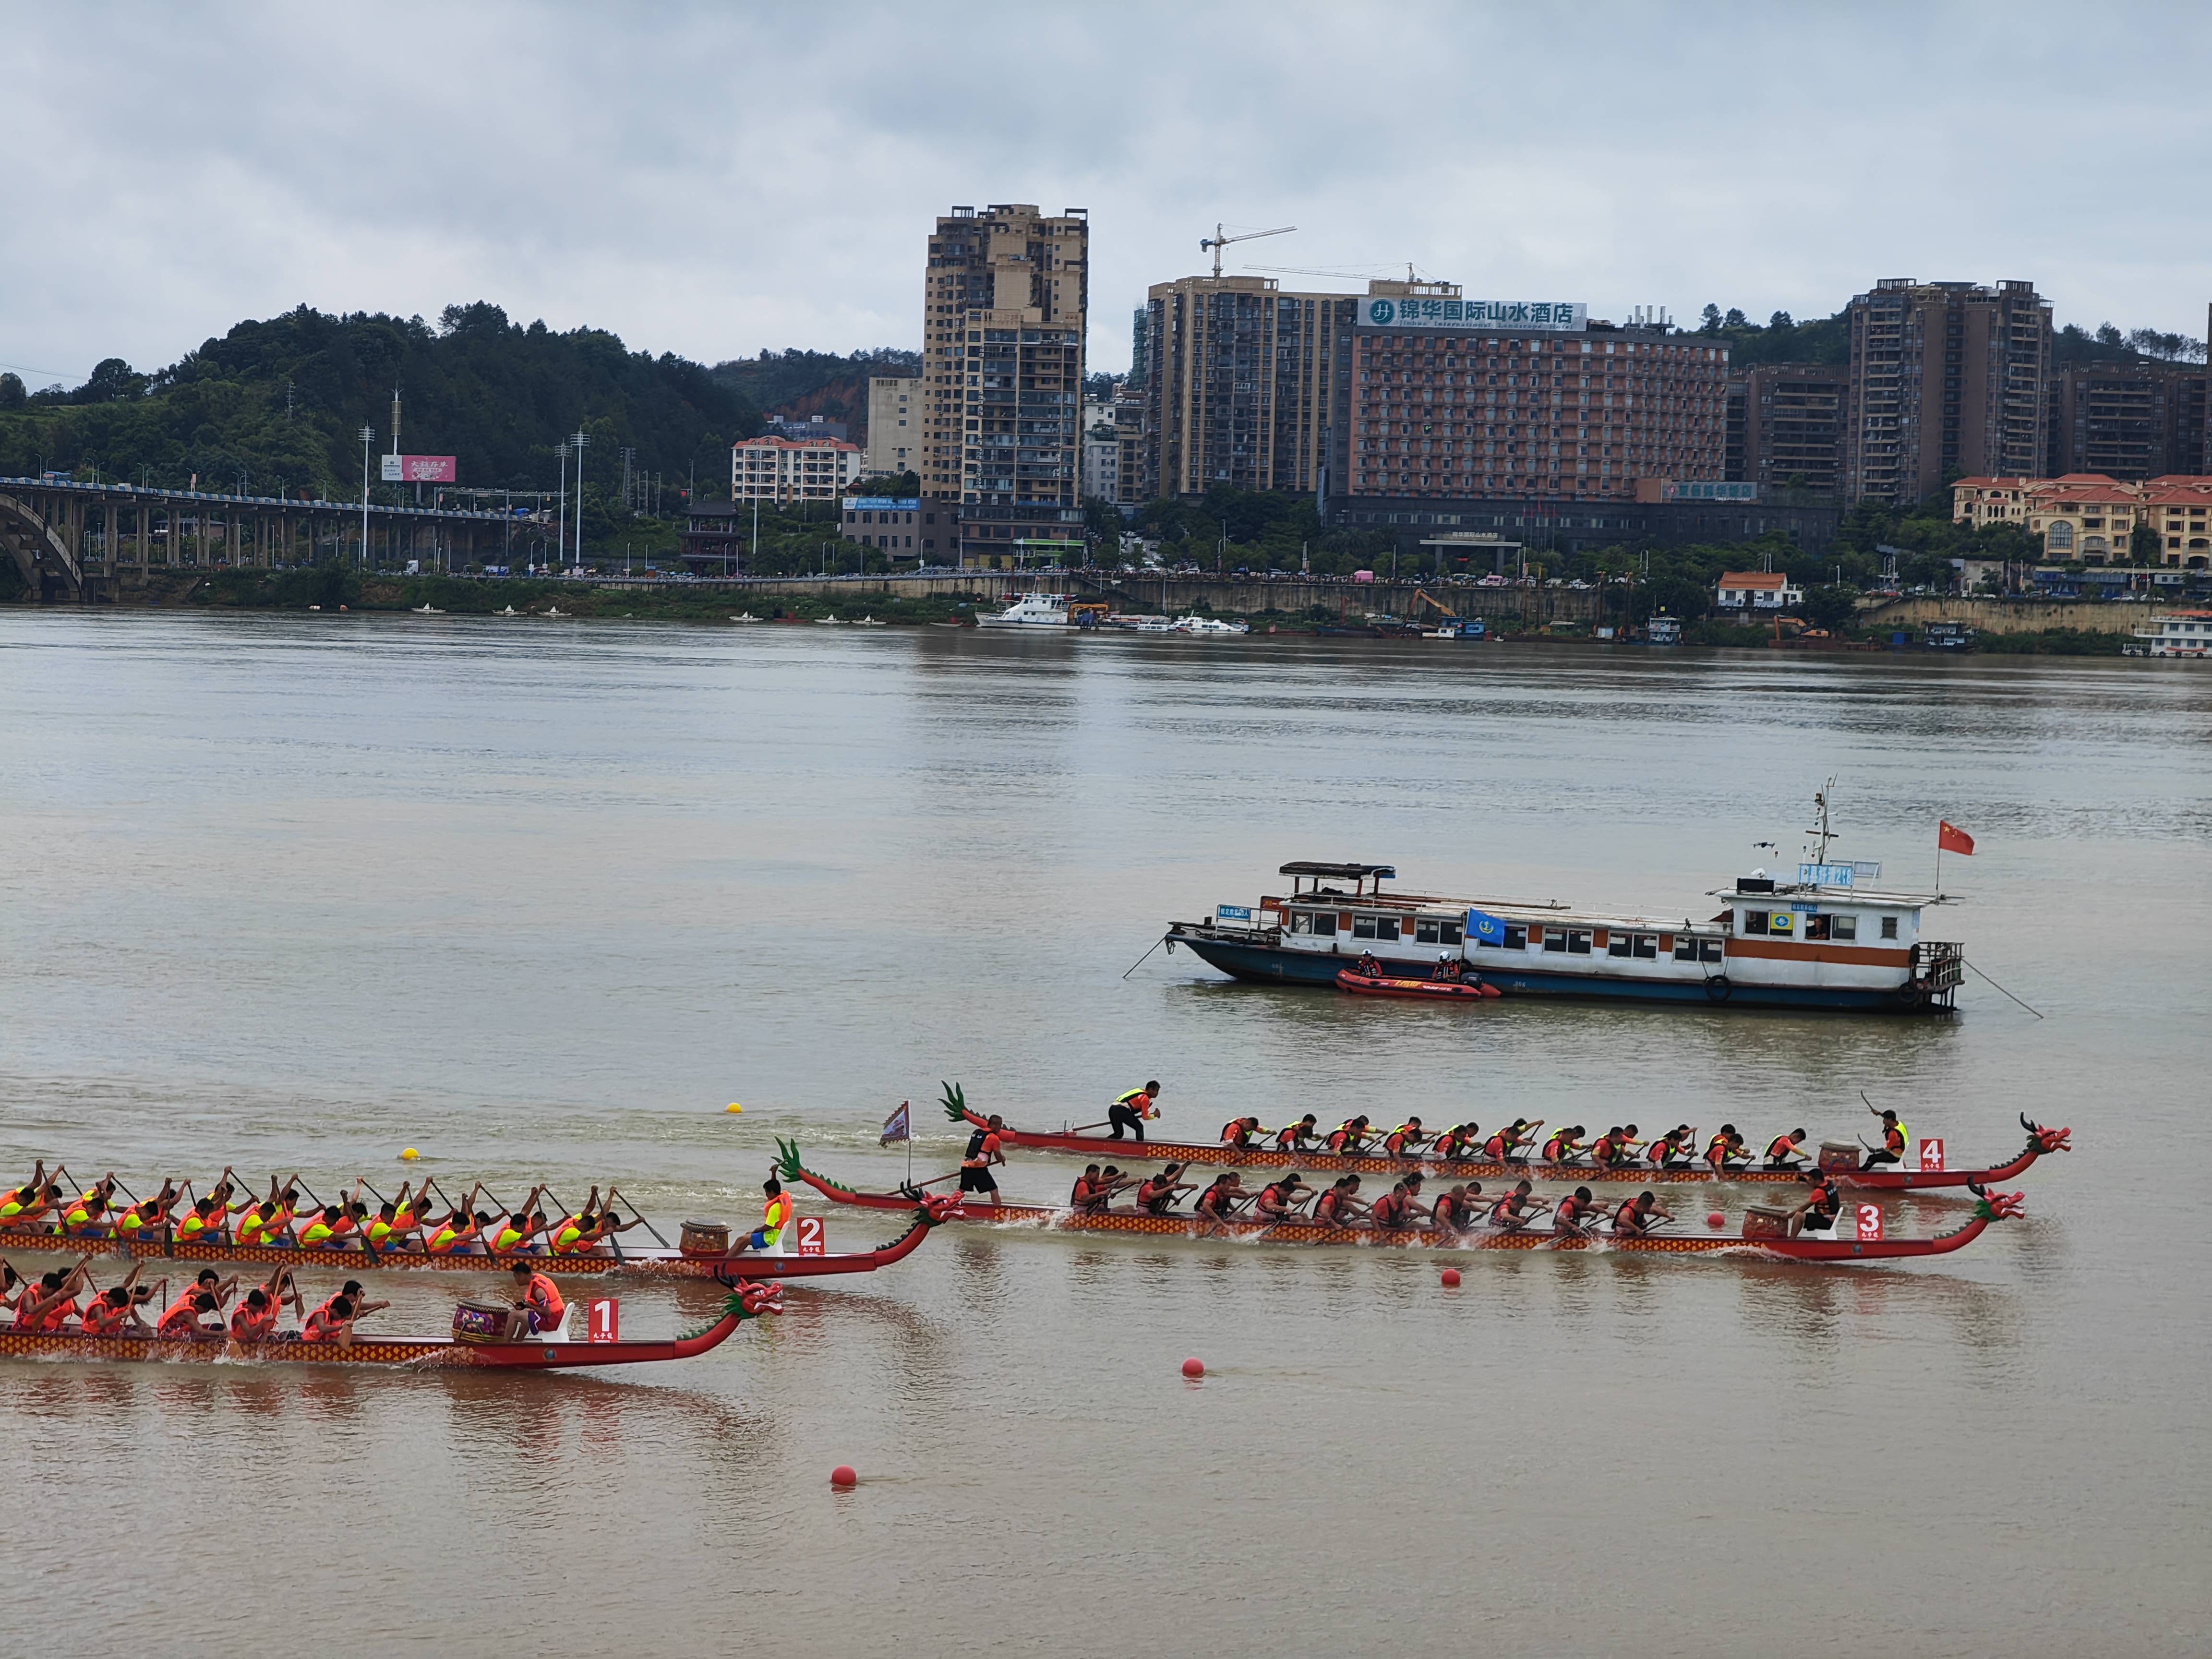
[1822, 833]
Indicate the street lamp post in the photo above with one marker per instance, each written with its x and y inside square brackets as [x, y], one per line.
[561, 518]
[367, 437]
[579, 438]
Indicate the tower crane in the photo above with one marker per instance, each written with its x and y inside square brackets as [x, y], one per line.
[1221, 240]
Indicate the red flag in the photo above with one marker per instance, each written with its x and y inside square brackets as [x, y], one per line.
[1949, 838]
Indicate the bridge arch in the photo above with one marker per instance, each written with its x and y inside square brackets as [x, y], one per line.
[39, 551]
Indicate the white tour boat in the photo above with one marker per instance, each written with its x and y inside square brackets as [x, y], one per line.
[1030, 611]
[1209, 627]
[1826, 938]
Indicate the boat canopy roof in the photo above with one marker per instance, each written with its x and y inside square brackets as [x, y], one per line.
[1341, 871]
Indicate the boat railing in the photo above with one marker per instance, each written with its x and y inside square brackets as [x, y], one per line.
[1939, 964]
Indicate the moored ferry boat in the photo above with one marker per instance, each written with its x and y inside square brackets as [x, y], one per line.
[1030, 611]
[1826, 940]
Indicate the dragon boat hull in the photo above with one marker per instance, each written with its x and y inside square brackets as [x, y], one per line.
[2040, 1140]
[1432, 990]
[1045, 1218]
[421, 1353]
[656, 1263]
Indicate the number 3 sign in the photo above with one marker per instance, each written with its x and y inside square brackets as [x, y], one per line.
[1869, 1220]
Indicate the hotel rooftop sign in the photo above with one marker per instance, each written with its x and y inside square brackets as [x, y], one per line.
[1379, 311]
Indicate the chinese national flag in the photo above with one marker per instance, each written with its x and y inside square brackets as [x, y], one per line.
[1949, 838]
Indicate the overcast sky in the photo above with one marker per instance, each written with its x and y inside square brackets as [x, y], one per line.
[711, 179]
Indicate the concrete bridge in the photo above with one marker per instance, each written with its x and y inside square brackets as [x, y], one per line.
[86, 543]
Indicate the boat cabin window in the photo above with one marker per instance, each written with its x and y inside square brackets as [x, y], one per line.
[1817, 927]
[1620, 944]
[1438, 930]
[1322, 922]
[1697, 949]
[1643, 945]
[1517, 938]
[1711, 950]
[1555, 938]
[1375, 927]
[1754, 921]
[1843, 927]
[1889, 926]
[1575, 941]
[1686, 948]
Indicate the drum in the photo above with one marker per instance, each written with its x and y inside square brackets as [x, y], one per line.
[1839, 1155]
[481, 1321]
[1761, 1222]
[704, 1238]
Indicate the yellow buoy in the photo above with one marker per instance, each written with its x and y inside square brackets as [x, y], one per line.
[409, 1156]
[731, 1107]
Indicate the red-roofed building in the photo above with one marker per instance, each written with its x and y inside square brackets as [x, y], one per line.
[2090, 519]
[785, 470]
[1758, 590]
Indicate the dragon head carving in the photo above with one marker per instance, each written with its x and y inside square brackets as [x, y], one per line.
[1998, 1206]
[2046, 1140]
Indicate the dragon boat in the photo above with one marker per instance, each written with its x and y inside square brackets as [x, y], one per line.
[744, 1302]
[1835, 1159]
[1434, 990]
[706, 1260]
[1762, 1233]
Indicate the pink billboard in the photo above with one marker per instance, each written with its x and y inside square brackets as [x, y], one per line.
[418, 469]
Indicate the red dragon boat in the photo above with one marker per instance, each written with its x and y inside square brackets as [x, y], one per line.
[1760, 1236]
[701, 1262]
[1435, 990]
[419, 1352]
[1839, 1163]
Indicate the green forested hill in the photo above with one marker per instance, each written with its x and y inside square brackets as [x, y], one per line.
[282, 402]
[814, 382]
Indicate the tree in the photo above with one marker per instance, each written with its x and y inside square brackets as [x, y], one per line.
[2109, 336]
[1709, 320]
[1734, 318]
[12, 393]
[2143, 545]
[1780, 319]
[1830, 607]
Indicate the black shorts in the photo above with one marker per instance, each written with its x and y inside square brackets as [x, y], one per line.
[978, 1181]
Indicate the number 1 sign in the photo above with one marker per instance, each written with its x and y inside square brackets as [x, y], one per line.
[603, 1320]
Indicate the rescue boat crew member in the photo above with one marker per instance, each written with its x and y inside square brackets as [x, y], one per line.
[984, 1150]
[776, 1215]
[1130, 1110]
[537, 1306]
[1238, 1131]
[1572, 1216]
[1293, 1137]
[1565, 1145]
[1893, 1141]
[1783, 1153]
[1637, 1217]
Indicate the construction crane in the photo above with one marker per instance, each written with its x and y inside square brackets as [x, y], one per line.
[1347, 275]
[1221, 239]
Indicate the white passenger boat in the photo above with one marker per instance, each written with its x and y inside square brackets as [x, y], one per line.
[1829, 938]
[1209, 627]
[1030, 611]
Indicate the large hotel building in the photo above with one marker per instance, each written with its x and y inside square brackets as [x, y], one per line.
[1000, 398]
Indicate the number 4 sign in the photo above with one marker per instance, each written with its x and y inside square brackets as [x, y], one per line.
[809, 1234]
[1869, 1220]
[603, 1320]
[1931, 1154]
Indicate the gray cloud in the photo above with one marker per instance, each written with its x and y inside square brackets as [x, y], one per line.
[711, 179]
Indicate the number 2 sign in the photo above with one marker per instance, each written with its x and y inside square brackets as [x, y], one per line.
[1869, 1221]
[809, 1234]
[603, 1320]
[1931, 1154]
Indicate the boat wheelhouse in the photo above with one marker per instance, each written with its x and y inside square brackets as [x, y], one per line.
[1823, 940]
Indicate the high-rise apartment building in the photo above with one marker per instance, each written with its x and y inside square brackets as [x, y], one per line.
[1004, 301]
[1945, 379]
[1785, 427]
[1242, 382]
[894, 425]
[2127, 420]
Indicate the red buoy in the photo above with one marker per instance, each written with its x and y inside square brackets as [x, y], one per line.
[1194, 1368]
[842, 1476]
[1450, 1276]
[1716, 1219]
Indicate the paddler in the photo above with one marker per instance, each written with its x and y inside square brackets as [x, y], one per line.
[1724, 1151]
[1406, 1140]
[254, 1319]
[1294, 1137]
[351, 1293]
[608, 1224]
[1505, 1146]
[538, 1309]
[1218, 1202]
[1670, 1147]
[776, 1215]
[114, 1311]
[460, 1231]
[1817, 1214]
[1400, 1207]
[203, 1301]
[1349, 1138]
[54, 1303]
[1564, 1146]
[1238, 1132]
[332, 1322]
[1452, 1213]
[574, 1234]
[1130, 1109]
[1278, 1200]
[1637, 1217]
[1517, 1209]
[1454, 1144]
[1783, 1153]
[1572, 1216]
[147, 1218]
[1156, 1196]
[519, 1227]
[1893, 1141]
[13, 1201]
[984, 1150]
[203, 1222]
[87, 1215]
[28, 1211]
[1339, 1207]
[1089, 1195]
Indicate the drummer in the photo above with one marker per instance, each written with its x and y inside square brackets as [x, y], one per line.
[538, 1309]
